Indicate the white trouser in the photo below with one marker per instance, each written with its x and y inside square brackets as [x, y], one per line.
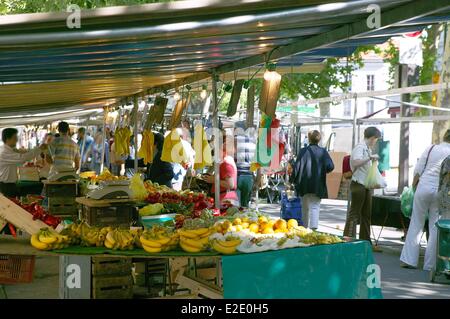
[310, 210]
[425, 205]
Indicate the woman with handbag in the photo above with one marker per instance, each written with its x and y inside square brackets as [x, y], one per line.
[361, 196]
[426, 205]
[309, 178]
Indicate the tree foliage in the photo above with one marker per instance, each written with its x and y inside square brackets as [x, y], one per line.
[35, 6]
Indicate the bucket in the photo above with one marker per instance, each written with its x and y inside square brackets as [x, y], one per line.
[149, 221]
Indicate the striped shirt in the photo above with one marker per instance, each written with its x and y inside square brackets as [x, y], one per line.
[63, 151]
[245, 152]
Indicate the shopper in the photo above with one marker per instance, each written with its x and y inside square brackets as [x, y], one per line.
[309, 178]
[160, 172]
[11, 158]
[425, 205]
[244, 155]
[361, 197]
[63, 152]
[85, 143]
[227, 174]
[97, 153]
[444, 189]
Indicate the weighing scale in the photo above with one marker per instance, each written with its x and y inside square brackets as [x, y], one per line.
[63, 176]
[111, 190]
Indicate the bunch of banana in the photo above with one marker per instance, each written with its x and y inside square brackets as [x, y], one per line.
[194, 240]
[92, 236]
[227, 246]
[47, 239]
[137, 233]
[119, 239]
[71, 233]
[158, 239]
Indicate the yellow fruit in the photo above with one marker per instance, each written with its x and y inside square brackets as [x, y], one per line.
[108, 244]
[280, 224]
[200, 231]
[268, 230]
[149, 243]
[230, 243]
[254, 228]
[189, 248]
[237, 221]
[262, 219]
[38, 244]
[223, 250]
[151, 250]
[204, 240]
[226, 225]
[280, 230]
[271, 223]
[192, 242]
[187, 233]
[205, 234]
[292, 223]
[47, 238]
[263, 225]
[245, 225]
[218, 228]
[163, 240]
[245, 220]
[239, 227]
[232, 228]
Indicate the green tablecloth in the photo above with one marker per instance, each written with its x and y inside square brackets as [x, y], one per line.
[324, 271]
[78, 250]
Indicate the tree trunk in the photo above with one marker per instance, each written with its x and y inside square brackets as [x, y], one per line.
[439, 127]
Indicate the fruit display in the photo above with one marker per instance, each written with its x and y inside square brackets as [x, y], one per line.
[226, 245]
[151, 209]
[138, 188]
[47, 239]
[194, 240]
[118, 239]
[159, 239]
[107, 176]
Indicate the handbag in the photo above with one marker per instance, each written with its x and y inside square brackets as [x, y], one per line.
[416, 178]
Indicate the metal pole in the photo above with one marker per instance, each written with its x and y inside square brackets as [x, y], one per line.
[355, 119]
[135, 133]
[217, 143]
[102, 162]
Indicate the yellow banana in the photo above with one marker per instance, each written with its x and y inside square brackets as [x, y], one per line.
[109, 244]
[187, 233]
[192, 242]
[163, 240]
[38, 244]
[110, 238]
[150, 243]
[151, 250]
[47, 238]
[199, 231]
[223, 250]
[204, 240]
[189, 248]
[230, 243]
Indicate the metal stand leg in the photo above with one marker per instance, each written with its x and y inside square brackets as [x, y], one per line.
[4, 291]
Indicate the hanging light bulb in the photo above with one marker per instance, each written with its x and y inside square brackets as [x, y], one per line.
[270, 90]
[203, 93]
[271, 74]
[176, 96]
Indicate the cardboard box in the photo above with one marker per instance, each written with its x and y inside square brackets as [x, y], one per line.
[333, 184]
[338, 158]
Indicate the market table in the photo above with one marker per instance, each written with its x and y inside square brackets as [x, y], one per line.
[322, 271]
[29, 188]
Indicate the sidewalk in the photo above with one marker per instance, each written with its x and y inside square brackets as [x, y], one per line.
[397, 282]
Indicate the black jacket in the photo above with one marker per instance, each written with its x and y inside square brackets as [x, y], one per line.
[161, 172]
[310, 170]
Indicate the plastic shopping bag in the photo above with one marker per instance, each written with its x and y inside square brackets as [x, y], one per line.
[374, 179]
[406, 201]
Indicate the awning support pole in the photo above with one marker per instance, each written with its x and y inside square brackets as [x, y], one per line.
[105, 115]
[135, 133]
[217, 142]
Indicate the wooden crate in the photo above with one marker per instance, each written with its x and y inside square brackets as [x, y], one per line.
[116, 216]
[102, 266]
[112, 287]
[19, 217]
[61, 189]
[111, 278]
[64, 207]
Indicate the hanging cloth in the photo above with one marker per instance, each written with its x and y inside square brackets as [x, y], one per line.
[202, 148]
[147, 147]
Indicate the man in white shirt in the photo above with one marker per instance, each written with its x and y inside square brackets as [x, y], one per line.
[11, 158]
[361, 204]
